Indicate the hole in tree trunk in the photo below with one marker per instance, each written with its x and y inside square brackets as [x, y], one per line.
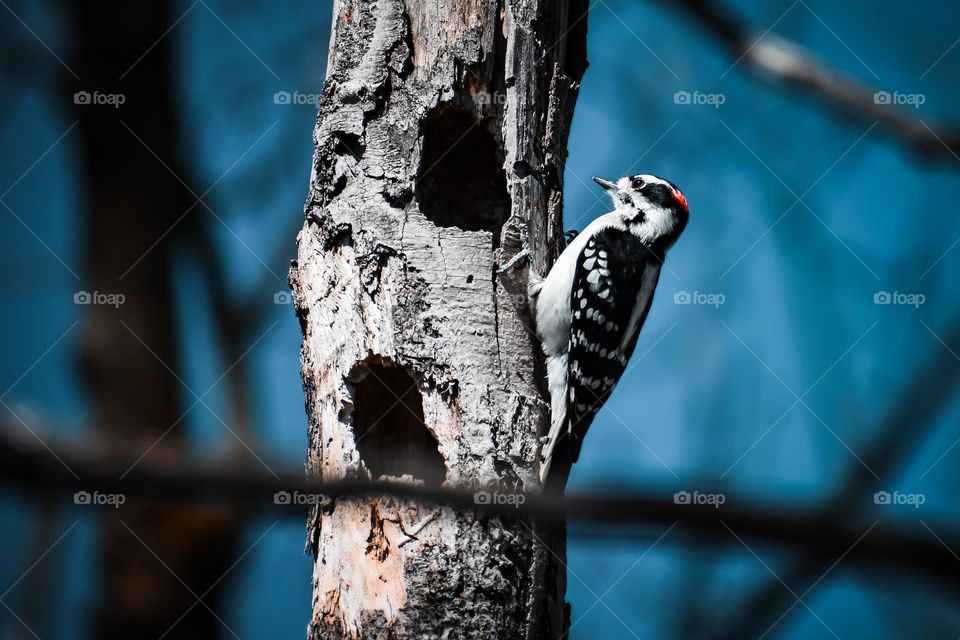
[461, 182]
[576, 39]
[388, 423]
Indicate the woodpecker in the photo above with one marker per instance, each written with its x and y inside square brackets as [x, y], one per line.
[591, 306]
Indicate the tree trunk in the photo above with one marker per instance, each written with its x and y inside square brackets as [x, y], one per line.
[154, 556]
[440, 144]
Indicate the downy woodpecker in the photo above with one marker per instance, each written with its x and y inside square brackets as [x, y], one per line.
[591, 306]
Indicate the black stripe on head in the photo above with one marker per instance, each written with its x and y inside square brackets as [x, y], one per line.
[660, 195]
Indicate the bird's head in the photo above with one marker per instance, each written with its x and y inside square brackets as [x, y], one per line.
[652, 208]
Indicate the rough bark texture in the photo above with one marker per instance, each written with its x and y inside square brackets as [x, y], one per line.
[440, 144]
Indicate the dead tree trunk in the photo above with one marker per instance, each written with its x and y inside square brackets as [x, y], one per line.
[440, 144]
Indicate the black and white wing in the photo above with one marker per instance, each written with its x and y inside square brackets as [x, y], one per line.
[613, 286]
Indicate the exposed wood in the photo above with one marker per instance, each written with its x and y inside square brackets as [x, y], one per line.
[440, 139]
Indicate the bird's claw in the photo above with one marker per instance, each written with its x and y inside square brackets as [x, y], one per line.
[512, 262]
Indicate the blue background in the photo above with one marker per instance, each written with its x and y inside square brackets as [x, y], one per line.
[711, 396]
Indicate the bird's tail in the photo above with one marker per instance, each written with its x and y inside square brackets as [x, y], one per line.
[557, 377]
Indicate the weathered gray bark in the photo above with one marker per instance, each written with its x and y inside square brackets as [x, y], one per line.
[440, 139]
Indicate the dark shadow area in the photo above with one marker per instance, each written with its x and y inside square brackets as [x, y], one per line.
[392, 437]
[461, 182]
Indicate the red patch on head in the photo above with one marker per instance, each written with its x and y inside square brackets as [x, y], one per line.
[679, 198]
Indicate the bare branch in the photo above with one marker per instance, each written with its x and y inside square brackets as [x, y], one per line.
[778, 60]
[31, 468]
[913, 413]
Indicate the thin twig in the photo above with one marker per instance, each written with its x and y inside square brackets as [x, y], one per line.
[779, 60]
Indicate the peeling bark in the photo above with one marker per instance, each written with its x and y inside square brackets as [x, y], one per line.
[440, 144]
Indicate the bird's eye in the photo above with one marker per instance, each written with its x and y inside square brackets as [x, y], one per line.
[638, 183]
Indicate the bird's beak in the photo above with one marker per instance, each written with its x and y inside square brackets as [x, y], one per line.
[606, 184]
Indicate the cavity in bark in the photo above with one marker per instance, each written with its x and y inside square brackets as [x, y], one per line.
[461, 182]
[391, 435]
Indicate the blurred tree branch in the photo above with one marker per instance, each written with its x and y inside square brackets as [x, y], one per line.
[129, 353]
[27, 466]
[781, 61]
[232, 330]
[913, 413]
